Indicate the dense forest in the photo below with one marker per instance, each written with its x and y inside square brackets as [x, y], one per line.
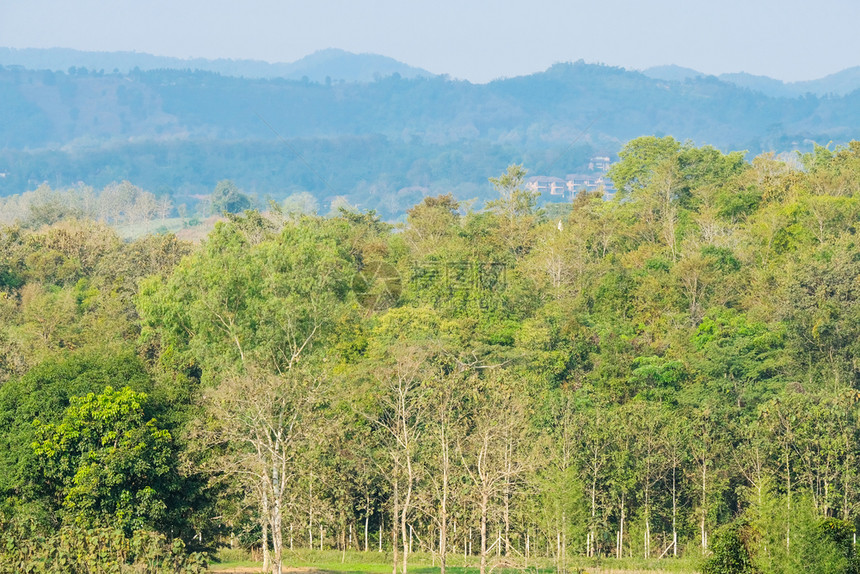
[671, 374]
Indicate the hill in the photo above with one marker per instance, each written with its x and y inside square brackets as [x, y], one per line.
[838, 84]
[381, 144]
[321, 66]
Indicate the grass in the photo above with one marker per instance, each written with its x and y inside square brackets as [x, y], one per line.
[423, 563]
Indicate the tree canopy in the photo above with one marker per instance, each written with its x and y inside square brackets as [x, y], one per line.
[668, 373]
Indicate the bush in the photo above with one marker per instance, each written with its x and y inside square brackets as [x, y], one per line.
[733, 550]
[840, 534]
[76, 550]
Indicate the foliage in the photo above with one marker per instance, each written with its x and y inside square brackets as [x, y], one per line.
[44, 393]
[80, 550]
[667, 373]
[733, 550]
[228, 199]
[108, 464]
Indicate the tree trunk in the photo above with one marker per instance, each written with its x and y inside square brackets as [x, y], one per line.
[485, 503]
[621, 529]
[674, 515]
[704, 502]
[264, 521]
[396, 510]
[591, 537]
[507, 507]
[788, 492]
[647, 523]
[366, 531]
[403, 536]
[443, 511]
[277, 529]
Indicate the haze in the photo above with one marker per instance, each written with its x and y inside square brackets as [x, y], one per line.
[478, 40]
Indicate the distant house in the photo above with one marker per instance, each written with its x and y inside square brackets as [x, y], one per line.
[599, 163]
[547, 185]
[575, 183]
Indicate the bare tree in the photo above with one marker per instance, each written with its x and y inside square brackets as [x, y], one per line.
[491, 452]
[262, 422]
[445, 422]
[400, 411]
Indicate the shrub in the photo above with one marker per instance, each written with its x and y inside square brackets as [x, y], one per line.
[733, 550]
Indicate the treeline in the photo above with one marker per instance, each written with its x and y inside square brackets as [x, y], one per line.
[124, 205]
[116, 204]
[668, 374]
[373, 172]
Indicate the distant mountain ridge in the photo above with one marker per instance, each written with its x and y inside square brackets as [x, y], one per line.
[321, 66]
[838, 84]
[382, 144]
[337, 65]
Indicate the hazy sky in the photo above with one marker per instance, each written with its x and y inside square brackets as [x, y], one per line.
[473, 39]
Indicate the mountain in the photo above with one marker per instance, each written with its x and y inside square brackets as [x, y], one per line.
[341, 66]
[672, 73]
[59, 109]
[349, 67]
[761, 84]
[382, 143]
[331, 64]
[838, 84]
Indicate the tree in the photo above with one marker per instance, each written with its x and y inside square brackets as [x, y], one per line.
[594, 457]
[650, 460]
[227, 198]
[44, 393]
[431, 222]
[241, 298]
[262, 422]
[733, 550]
[399, 413]
[447, 394]
[302, 203]
[637, 160]
[491, 452]
[560, 509]
[108, 463]
[515, 210]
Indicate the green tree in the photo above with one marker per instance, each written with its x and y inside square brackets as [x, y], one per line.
[108, 463]
[240, 298]
[733, 550]
[44, 393]
[227, 198]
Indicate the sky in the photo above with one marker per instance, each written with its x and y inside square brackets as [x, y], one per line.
[477, 40]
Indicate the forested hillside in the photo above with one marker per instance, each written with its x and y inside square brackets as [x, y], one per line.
[668, 375]
[323, 65]
[383, 144]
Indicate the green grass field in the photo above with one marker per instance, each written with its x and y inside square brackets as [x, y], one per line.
[423, 563]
